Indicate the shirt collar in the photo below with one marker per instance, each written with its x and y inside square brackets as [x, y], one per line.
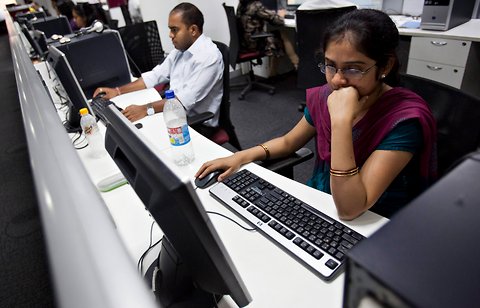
[197, 45]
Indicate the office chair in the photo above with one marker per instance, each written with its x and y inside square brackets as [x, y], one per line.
[457, 115]
[226, 131]
[311, 25]
[226, 135]
[236, 56]
[143, 46]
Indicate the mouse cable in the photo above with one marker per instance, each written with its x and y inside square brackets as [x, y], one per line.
[75, 137]
[224, 216]
[150, 247]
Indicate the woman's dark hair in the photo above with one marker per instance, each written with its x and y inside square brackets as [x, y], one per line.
[373, 33]
[87, 11]
[91, 12]
[65, 8]
[191, 15]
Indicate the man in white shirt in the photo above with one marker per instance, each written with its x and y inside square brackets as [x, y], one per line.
[194, 70]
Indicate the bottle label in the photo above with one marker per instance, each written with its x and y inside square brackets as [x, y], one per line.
[90, 130]
[179, 135]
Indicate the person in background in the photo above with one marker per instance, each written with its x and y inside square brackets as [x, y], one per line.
[286, 38]
[253, 17]
[65, 8]
[375, 143]
[194, 70]
[84, 14]
[134, 10]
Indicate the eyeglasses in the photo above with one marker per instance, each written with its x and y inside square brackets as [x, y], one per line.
[348, 73]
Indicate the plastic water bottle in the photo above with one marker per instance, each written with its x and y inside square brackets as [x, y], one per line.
[91, 131]
[177, 127]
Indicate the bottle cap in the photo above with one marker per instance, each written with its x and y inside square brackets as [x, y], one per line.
[83, 111]
[169, 94]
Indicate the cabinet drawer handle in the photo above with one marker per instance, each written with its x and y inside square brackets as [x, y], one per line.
[434, 68]
[437, 43]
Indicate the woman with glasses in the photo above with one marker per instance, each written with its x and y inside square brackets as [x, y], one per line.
[375, 143]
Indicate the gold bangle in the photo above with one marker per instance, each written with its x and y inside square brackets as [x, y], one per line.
[350, 172]
[118, 91]
[267, 152]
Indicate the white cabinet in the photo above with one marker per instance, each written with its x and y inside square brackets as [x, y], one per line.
[439, 59]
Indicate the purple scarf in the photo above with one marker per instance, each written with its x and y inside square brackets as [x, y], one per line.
[393, 107]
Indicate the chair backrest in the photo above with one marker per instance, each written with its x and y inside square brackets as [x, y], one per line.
[143, 46]
[457, 115]
[234, 44]
[311, 25]
[224, 119]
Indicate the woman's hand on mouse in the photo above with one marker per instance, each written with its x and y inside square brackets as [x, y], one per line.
[230, 164]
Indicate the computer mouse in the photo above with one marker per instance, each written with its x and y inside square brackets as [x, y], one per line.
[101, 94]
[209, 179]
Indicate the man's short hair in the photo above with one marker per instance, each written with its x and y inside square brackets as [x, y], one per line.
[191, 15]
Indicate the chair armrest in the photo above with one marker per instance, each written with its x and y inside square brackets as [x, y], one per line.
[284, 166]
[261, 35]
[199, 118]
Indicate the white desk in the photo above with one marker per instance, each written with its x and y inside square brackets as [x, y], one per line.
[273, 278]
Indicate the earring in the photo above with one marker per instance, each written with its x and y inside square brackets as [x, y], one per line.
[383, 76]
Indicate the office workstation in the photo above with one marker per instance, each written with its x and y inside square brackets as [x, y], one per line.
[267, 273]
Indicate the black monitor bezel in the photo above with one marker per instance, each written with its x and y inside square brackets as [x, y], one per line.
[82, 63]
[52, 25]
[175, 206]
[76, 98]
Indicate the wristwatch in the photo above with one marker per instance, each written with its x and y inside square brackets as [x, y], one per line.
[150, 110]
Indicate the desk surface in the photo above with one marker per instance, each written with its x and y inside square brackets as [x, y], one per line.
[273, 278]
[468, 31]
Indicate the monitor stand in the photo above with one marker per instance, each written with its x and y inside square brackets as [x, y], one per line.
[72, 124]
[172, 284]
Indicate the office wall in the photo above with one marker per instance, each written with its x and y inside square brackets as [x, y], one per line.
[216, 25]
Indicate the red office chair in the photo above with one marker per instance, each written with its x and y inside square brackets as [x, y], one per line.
[253, 58]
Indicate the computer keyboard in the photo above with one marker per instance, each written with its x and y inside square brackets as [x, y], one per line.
[98, 105]
[317, 240]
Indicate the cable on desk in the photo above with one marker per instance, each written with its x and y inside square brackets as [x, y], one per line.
[150, 247]
[48, 70]
[245, 228]
[75, 140]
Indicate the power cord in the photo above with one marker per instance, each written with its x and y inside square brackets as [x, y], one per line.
[75, 141]
[150, 247]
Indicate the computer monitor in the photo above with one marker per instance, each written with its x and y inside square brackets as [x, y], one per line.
[36, 41]
[193, 263]
[97, 59]
[52, 25]
[76, 99]
[270, 4]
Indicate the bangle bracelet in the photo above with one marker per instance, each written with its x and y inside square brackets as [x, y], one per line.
[350, 172]
[267, 152]
[118, 91]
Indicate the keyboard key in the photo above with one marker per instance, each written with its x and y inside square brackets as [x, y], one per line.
[331, 264]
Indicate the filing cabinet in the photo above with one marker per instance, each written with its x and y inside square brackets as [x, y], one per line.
[439, 59]
[450, 61]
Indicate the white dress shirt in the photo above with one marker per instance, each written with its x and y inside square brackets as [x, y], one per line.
[195, 75]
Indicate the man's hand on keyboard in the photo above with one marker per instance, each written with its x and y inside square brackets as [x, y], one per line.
[109, 92]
